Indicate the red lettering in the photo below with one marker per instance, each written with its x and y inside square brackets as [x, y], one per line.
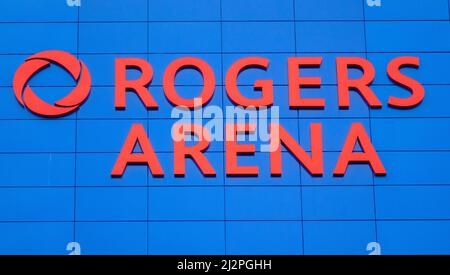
[368, 155]
[195, 152]
[416, 89]
[361, 85]
[278, 136]
[148, 156]
[209, 81]
[265, 86]
[233, 149]
[296, 82]
[138, 86]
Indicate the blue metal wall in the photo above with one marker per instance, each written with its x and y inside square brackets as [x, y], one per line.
[55, 184]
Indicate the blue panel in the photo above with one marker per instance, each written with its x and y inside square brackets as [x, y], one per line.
[186, 10]
[113, 38]
[250, 10]
[94, 169]
[189, 238]
[434, 103]
[112, 237]
[188, 37]
[257, 37]
[40, 37]
[280, 101]
[36, 204]
[263, 203]
[10, 107]
[414, 237]
[358, 107]
[328, 37]
[32, 11]
[408, 36]
[260, 138]
[328, 10]
[414, 168]
[416, 10]
[277, 70]
[105, 136]
[28, 136]
[187, 76]
[274, 237]
[341, 203]
[334, 132]
[102, 67]
[356, 174]
[421, 202]
[337, 237]
[327, 71]
[8, 67]
[113, 10]
[432, 70]
[193, 174]
[290, 176]
[401, 134]
[35, 238]
[193, 203]
[111, 204]
[161, 138]
[41, 169]
[167, 110]
[101, 105]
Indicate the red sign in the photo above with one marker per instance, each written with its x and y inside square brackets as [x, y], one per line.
[313, 162]
[28, 98]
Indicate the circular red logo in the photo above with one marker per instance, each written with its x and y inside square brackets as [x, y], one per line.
[26, 96]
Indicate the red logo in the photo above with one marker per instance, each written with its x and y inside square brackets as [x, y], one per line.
[26, 96]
